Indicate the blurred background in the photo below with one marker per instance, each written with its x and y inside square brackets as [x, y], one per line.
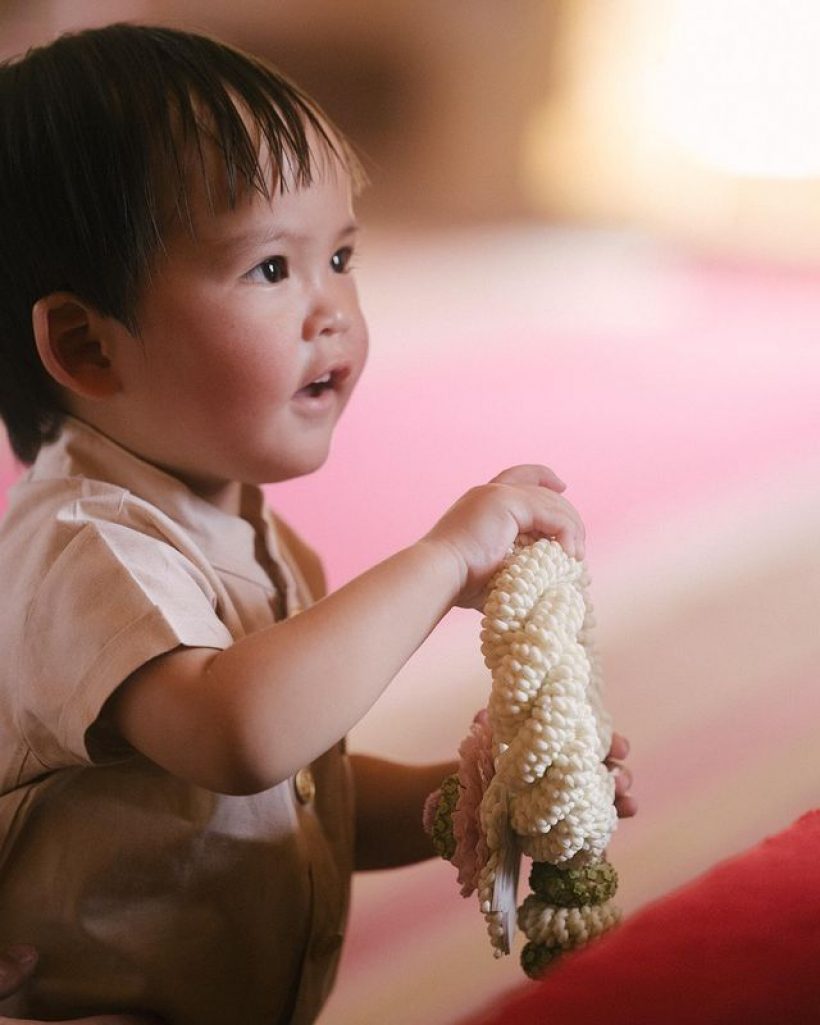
[592, 239]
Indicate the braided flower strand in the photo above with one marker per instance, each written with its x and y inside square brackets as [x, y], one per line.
[544, 736]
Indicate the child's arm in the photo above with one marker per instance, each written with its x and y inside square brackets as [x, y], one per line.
[246, 718]
[390, 798]
[389, 802]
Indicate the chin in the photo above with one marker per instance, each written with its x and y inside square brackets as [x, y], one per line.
[290, 469]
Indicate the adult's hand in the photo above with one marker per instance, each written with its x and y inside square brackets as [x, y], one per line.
[17, 964]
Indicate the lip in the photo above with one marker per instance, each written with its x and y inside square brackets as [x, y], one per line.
[339, 373]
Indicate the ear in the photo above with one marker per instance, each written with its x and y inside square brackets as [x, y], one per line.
[73, 345]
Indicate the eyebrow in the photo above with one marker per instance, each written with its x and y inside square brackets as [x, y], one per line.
[241, 241]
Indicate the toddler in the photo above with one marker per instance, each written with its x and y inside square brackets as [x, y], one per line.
[178, 325]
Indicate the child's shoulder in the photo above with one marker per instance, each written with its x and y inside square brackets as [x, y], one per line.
[59, 508]
[84, 482]
[76, 536]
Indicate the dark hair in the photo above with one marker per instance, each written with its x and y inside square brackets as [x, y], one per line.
[97, 135]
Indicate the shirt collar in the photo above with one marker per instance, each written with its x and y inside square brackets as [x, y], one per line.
[229, 542]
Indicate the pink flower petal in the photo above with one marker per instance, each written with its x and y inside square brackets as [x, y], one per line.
[475, 771]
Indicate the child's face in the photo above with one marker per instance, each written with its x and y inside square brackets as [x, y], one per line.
[251, 339]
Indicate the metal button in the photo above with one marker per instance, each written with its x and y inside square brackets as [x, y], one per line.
[305, 786]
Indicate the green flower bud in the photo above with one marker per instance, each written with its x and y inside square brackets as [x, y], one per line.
[537, 957]
[444, 842]
[594, 883]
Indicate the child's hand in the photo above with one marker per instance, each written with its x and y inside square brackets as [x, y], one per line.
[483, 524]
[625, 804]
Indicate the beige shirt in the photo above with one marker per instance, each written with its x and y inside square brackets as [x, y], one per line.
[141, 890]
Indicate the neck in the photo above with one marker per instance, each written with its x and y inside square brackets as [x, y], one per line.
[225, 495]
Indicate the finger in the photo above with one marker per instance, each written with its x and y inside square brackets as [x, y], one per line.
[16, 965]
[619, 748]
[558, 520]
[531, 473]
[623, 780]
[570, 539]
[626, 806]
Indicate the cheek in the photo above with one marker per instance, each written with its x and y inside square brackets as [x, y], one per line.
[219, 353]
[362, 336]
[226, 359]
[240, 384]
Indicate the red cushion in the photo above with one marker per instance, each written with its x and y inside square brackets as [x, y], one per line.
[738, 946]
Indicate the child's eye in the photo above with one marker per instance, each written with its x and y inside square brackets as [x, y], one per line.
[273, 269]
[340, 261]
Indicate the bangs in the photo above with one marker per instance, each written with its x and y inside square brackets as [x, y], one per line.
[117, 120]
[262, 130]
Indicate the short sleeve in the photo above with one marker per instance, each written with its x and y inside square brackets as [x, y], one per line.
[113, 599]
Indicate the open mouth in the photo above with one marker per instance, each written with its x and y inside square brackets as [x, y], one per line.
[319, 386]
[329, 381]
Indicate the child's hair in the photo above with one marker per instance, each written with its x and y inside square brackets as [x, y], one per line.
[98, 134]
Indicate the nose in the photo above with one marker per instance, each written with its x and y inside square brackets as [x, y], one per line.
[326, 316]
